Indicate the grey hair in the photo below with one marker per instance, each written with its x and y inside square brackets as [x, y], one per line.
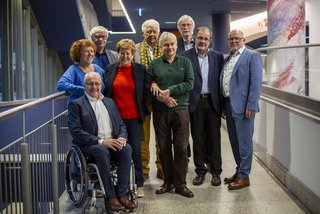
[98, 29]
[90, 75]
[166, 35]
[203, 28]
[185, 17]
[150, 23]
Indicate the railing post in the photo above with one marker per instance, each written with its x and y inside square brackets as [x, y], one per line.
[26, 182]
[55, 186]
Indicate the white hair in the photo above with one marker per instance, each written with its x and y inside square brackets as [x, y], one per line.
[150, 23]
[98, 29]
[183, 18]
[165, 36]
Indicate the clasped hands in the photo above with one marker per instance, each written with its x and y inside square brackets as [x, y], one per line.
[163, 95]
[115, 144]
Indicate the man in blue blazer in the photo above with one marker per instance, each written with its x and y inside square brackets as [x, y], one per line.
[241, 81]
[97, 128]
[205, 106]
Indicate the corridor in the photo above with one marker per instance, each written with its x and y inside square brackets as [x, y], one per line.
[265, 195]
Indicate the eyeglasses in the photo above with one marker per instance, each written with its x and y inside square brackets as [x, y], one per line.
[237, 39]
[188, 25]
[91, 84]
[200, 38]
[100, 37]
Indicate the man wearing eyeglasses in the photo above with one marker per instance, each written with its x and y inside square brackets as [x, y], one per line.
[97, 129]
[103, 56]
[185, 26]
[205, 107]
[240, 81]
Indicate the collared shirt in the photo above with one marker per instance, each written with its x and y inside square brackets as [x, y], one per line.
[204, 67]
[188, 45]
[151, 52]
[228, 69]
[102, 116]
[101, 60]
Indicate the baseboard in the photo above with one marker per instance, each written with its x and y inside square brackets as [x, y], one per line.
[309, 199]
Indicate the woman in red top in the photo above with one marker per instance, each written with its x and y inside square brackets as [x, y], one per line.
[124, 83]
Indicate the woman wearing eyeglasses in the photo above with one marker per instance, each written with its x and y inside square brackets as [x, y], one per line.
[125, 83]
[82, 53]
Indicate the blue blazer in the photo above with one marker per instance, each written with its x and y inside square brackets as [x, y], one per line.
[215, 67]
[245, 82]
[139, 72]
[83, 124]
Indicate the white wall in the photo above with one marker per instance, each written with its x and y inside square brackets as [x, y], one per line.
[313, 16]
[292, 140]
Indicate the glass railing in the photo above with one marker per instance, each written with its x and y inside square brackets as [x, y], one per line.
[291, 75]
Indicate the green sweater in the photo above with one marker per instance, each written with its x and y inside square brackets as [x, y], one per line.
[177, 77]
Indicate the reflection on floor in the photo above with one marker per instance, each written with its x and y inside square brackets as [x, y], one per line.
[265, 195]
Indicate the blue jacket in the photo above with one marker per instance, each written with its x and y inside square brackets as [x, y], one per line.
[215, 67]
[245, 82]
[83, 125]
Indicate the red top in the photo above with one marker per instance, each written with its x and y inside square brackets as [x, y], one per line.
[124, 93]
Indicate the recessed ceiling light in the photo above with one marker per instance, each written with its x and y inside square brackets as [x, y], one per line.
[170, 23]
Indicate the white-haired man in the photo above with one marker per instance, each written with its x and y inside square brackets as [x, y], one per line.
[146, 51]
[103, 56]
[185, 26]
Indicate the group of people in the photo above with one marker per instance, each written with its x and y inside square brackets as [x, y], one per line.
[180, 82]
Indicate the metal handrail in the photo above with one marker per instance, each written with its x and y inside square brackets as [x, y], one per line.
[287, 47]
[24, 107]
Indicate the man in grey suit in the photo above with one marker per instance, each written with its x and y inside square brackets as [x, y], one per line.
[205, 107]
[97, 128]
[185, 26]
[103, 57]
[241, 81]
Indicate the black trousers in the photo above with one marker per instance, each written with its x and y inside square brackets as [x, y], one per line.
[172, 131]
[205, 129]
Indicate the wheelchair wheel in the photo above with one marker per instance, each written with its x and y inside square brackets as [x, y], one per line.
[76, 177]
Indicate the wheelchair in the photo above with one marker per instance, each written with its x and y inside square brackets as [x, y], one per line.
[82, 180]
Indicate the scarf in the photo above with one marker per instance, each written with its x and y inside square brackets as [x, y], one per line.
[145, 53]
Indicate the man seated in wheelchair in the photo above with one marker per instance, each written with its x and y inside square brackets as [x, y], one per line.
[98, 130]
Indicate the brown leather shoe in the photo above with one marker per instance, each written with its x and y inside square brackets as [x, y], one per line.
[127, 203]
[160, 174]
[112, 204]
[239, 183]
[231, 179]
[164, 188]
[184, 192]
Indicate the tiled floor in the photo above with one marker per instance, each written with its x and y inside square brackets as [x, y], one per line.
[265, 195]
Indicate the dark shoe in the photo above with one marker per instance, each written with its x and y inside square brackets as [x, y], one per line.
[215, 181]
[198, 180]
[113, 204]
[127, 203]
[239, 183]
[145, 177]
[160, 174]
[229, 180]
[184, 192]
[165, 188]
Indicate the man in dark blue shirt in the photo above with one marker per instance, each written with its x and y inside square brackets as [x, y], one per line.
[103, 57]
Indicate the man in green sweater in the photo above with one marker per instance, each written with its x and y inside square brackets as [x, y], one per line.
[170, 79]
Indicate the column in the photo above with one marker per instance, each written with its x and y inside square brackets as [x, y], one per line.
[221, 29]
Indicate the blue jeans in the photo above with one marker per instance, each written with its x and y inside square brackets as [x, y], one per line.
[135, 129]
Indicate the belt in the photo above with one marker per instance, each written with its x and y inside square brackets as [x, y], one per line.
[227, 99]
[205, 96]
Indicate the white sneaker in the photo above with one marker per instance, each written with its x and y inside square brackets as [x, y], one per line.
[140, 192]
